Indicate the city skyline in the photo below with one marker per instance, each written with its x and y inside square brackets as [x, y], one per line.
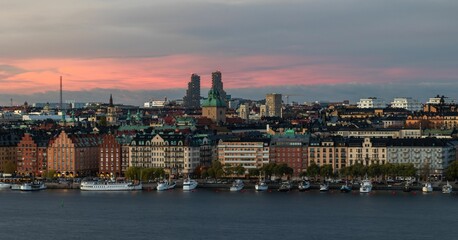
[321, 50]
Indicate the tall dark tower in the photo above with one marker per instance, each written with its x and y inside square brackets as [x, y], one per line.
[60, 102]
[192, 98]
[217, 84]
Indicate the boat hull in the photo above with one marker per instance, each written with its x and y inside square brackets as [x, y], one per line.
[88, 186]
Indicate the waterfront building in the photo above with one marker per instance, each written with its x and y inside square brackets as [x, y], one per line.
[74, 154]
[379, 133]
[430, 156]
[141, 152]
[366, 151]
[407, 103]
[371, 102]
[331, 151]
[192, 97]
[291, 149]
[111, 156]
[8, 151]
[274, 104]
[214, 107]
[217, 83]
[32, 154]
[248, 153]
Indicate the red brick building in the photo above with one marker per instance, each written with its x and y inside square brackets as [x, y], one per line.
[289, 149]
[72, 155]
[113, 158]
[32, 154]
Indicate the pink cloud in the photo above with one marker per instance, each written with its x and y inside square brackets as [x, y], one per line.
[174, 72]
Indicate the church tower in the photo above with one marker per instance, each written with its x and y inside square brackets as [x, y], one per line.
[214, 107]
[112, 118]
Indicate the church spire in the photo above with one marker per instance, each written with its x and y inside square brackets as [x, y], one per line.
[111, 100]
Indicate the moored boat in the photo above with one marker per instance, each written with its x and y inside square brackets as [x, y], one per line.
[109, 186]
[261, 186]
[427, 187]
[346, 187]
[324, 187]
[304, 185]
[5, 185]
[237, 185]
[447, 188]
[32, 186]
[366, 186]
[285, 186]
[165, 185]
[407, 187]
[189, 184]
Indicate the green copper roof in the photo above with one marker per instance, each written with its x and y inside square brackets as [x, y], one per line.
[214, 99]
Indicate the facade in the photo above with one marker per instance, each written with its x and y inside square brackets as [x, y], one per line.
[430, 156]
[244, 111]
[110, 157]
[379, 133]
[407, 103]
[366, 151]
[32, 154]
[8, 152]
[274, 104]
[250, 154]
[192, 98]
[290, 149]
[371, 102]
[73, 155]
[214, 107]
[328, 151]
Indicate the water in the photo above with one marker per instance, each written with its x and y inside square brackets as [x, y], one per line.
[210, 214]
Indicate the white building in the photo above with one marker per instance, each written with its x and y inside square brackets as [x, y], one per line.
[438, 99]
[371, 102]
[248, 154]
[407, 103]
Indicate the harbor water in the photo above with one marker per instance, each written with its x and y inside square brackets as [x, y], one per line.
[220, 214]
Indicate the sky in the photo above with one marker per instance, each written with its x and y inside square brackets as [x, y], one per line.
[313, 49]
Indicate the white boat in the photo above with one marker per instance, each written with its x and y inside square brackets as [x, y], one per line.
[324, 187]
[304, 185]
[32, 186]
[5, 185]
[447, 188]
[165, 185]
[237, 185]
[109, 186]
[366, 186]
[285, 187]
[427, 187]
[346, 187]
[261, 186]
[189, 184]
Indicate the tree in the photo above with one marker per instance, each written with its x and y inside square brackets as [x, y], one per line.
[253, 172]
[374, 170]
[239, 170]
[451, 171]
[49, 174]
[326, 170]
[133, 173]
[313, 169]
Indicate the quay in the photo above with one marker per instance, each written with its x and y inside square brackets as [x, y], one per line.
[250, 185]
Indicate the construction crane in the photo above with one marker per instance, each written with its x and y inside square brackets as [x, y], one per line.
[290, 95]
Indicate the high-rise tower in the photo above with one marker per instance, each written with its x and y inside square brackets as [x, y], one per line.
[192, 98]
[274, 105]
[217, 84]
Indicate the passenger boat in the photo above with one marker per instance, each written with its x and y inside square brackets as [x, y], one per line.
[346, 187]
[5, 185]
[189, 184]
[109, 186]
[237, 185]
[32, 186]
[427, 187]
[447, 188]
[285, 186]
[304, 185]
[366, 186]
[324, 187]
[165, 185]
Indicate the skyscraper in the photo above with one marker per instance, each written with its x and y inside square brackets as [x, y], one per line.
[274, 104]
[217, 84]
[192, 98]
